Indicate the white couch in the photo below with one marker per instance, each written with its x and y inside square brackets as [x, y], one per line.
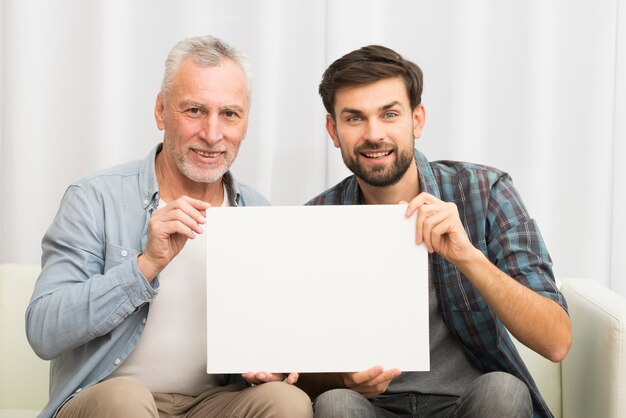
[23, 375]
[590, 383]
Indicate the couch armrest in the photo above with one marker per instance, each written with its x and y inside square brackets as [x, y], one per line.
[594, 373]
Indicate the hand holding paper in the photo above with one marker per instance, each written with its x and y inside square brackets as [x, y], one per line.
[264, 377]
[371, 382]
[439, 227]
[170, 228]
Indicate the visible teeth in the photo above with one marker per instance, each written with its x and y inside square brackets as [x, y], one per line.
[377, 154]
[208, 154]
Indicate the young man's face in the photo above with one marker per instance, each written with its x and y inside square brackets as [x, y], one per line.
[375, 129]
[205, 118]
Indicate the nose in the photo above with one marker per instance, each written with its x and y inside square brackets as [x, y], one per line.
[375, 130]
[211, 129]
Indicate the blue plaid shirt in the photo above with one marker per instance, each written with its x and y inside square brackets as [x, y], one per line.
[497, 223]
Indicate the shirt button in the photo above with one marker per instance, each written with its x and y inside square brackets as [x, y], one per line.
[143, 321]
[124, 253]
[117, 361]
[78, 390]
[145, 202]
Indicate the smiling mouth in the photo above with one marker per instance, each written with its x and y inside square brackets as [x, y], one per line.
[374, 155]
[208, 154]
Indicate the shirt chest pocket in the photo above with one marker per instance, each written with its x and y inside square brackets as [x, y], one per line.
[116, 255]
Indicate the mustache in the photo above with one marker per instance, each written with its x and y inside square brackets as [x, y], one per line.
[375, 146]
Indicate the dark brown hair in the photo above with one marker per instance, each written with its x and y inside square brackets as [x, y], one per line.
[368, 65]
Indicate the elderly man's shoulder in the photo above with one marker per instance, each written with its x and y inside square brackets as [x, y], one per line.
[250, 196]
[126, 170]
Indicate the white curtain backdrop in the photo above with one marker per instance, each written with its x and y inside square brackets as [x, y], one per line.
[534, 87]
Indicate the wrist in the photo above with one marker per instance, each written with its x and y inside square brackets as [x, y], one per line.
[146, 267]
[470, 260]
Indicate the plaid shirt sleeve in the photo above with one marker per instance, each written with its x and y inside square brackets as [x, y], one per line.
[497, 223]
[514, 242]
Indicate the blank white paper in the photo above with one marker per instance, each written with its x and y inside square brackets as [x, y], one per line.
[315, 289]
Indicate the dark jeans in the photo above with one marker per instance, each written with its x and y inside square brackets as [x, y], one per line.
[493, 395]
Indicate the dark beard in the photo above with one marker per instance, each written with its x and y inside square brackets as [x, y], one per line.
[379, 176]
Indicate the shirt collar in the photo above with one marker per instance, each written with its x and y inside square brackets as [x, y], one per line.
[148, 185]
[428, 182]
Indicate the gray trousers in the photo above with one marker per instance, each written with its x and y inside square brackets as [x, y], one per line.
[492, 395]
[123, 397]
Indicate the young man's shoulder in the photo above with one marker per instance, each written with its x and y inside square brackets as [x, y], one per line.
[460, 181]
[463, 168]
[465, 174]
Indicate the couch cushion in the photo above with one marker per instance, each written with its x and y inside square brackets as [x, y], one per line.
[23, 375]
[18, 413]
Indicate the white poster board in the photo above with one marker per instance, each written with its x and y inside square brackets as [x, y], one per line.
[315, 289]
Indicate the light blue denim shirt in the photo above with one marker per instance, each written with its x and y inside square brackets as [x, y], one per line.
[91, 301]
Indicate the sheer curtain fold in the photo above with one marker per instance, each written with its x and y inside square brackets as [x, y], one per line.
[535, 88]
[618, 220]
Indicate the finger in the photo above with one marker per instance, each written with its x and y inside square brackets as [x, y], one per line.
[165, 229]
[274, 377]
[196, 209]
[421, 199]
[186, 203]
[269, 377]
[380, 383]
[197, 204]
[415, 203]
[437, 235]
[387, 376]
[180, 215]
[260, 377]
[361, 377]
[424, 212]
[249, 377]
[430, 223]
[444, 222]
[293, 378]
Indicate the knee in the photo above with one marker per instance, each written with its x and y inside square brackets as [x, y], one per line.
[279, 399]
[123, 391]
[115, 397]
[504, 395]
[340, 403]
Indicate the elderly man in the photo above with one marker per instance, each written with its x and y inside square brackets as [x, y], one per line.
[119, 307]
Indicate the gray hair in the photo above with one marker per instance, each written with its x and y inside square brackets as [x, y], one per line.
[204, 50]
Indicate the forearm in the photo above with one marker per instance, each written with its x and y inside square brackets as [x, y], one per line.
[535, 320]
[69, 311]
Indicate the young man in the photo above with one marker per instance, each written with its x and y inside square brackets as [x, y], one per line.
[119, 307]
[489, 268]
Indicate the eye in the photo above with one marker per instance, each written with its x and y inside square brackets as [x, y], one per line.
[230, 114]
[194, 111]
[354, 119]
[389, 115]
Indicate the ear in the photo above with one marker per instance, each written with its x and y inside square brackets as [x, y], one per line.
[419, 119]
[331, 127]
[159, 109]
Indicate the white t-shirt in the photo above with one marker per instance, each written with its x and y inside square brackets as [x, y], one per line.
[171, 354]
